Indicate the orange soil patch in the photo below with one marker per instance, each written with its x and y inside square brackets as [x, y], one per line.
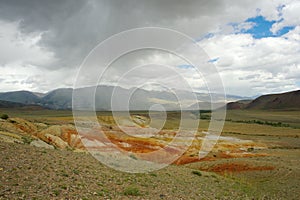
[188, 159]
[123, 141]
[71, 137]
[147, 148]
[25, 127]
[135, 145]
[240, 154]
[236, 167]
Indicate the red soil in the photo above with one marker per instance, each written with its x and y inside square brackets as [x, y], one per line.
[186, 159]
[135, 145]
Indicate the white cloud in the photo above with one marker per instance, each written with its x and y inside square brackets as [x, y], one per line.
[34, 79]
[22, 49]
[293, 35]
[290, 16]
[20, 59]
[275, 59]
[248, 66]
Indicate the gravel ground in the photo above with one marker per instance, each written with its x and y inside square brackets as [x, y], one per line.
[35, 173]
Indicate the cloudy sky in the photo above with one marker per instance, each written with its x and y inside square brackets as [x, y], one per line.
[254, 44]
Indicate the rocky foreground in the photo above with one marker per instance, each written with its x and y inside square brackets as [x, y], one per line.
[36, 173]
[49, 161]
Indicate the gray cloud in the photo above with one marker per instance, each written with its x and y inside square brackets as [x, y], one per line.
[70, 29]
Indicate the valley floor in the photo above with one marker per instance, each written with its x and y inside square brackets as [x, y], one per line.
[269, 170]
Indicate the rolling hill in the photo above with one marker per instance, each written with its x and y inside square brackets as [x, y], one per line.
[241, 104]
[282, 101]
[286, 101]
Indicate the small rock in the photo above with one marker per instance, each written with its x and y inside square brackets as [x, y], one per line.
[57, 141]
[40, 143]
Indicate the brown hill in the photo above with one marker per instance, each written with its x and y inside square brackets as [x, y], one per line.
[283, 101]
[238, 104]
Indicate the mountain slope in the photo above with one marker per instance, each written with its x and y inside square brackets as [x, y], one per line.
[58, 99]
[24, 97]
[237, 105]
[288, 100]
[9, 104]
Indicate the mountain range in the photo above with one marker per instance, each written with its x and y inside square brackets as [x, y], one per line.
[141, 99]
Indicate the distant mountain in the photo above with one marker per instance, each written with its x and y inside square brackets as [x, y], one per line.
[58, 99]
[123, 99]
[139, 99]
[284, 101]
[39, 94]
[24, 97]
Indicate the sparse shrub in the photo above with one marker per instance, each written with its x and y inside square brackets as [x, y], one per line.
[75, 171]
[64, 187]
[275, 124]
[204, 117]
[27, 139]
[153, 174]
[4, 116]
[133, 156]
[12, 121]
[65, 174]
[132, 191]
[56, 192]
[250, 149]
[198, 173]
[100, 184]
[100, 193]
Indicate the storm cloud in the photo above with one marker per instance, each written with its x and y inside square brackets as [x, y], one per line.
[52, 38]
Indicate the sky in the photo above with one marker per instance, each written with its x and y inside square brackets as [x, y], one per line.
[254, 44]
